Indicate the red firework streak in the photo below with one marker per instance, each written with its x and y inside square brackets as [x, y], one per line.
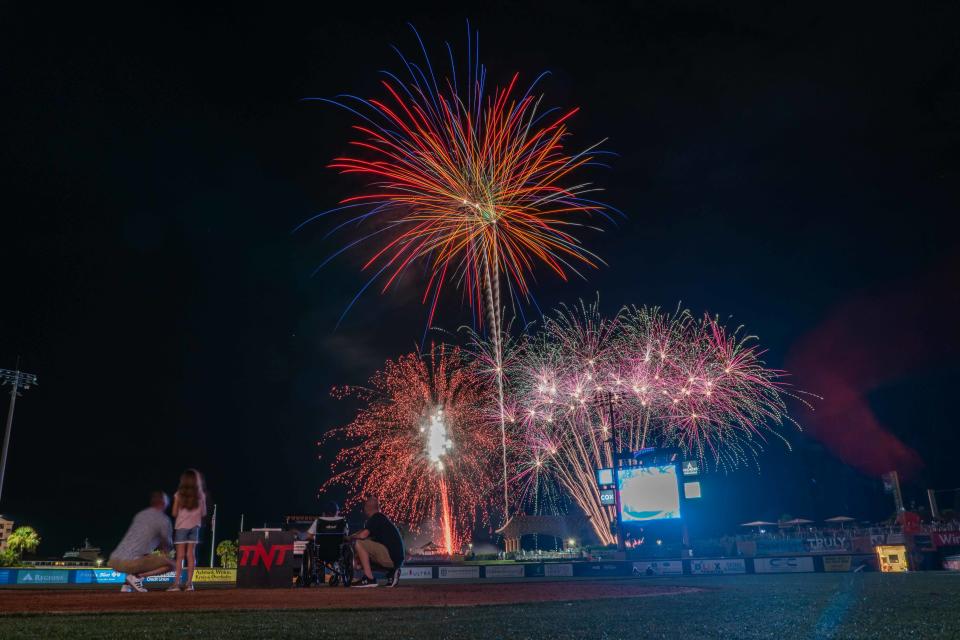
[473, 184]
[476, 187]
[424, 442]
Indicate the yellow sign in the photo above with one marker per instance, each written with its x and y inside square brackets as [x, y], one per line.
[836, 563]
[892, 557]
[215, 575]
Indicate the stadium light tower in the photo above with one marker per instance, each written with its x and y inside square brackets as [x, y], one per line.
[17, 380]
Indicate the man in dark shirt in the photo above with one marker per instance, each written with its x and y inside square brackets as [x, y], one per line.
[379, 543]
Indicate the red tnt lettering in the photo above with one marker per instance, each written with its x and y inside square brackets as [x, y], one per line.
[252, 555]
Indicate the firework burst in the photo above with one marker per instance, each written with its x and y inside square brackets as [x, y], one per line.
[587, 386]
[473, 184]
[423, 443]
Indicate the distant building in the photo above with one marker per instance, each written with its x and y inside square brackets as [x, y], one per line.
[6, 528]
[85, 555]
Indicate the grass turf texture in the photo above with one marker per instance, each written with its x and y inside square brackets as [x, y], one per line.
[921, 605]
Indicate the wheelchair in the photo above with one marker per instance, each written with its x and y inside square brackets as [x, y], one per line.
[328, 553]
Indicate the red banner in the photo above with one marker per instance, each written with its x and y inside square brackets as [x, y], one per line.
[946, 538]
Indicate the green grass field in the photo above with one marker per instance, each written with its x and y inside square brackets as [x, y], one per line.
[920, 605]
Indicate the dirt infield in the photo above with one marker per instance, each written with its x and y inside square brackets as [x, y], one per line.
[81, 601]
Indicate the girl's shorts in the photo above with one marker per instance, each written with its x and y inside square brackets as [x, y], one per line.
[183, 536]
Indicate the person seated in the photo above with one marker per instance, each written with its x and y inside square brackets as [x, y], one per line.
[330, 521]
[378, 543]
[326, 541]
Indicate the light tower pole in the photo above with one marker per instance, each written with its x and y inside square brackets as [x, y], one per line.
[17, 380]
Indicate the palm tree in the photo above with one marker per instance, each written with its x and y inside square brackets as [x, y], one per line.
[23, 539]
[227, 552]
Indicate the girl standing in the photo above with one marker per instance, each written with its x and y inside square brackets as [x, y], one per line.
[189, 509]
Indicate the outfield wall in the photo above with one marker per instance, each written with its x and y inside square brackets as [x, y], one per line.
[43, 577]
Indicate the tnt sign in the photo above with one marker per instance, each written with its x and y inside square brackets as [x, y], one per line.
[252, 555]
[266, 559]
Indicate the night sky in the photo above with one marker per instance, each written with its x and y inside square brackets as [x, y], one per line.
[793, 169]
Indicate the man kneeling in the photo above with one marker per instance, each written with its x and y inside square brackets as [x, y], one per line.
[378, 543]
[150, 530]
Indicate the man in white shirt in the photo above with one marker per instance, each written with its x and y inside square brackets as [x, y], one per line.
[149, 531]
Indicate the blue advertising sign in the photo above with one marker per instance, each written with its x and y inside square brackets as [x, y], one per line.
[98, 576]
[7, 576]
[43, 576]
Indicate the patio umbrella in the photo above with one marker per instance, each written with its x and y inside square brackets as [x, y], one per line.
[841, 520]
[758, 523]
[796, 522]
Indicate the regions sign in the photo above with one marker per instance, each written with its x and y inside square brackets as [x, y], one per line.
[802, 564]
[658, 568]
[43, 576]
[503, 571]
[718, 566]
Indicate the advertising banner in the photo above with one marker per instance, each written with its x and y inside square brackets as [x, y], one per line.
[460, 572]
[773, 546]
[503, 571]
[8, 576]
[837, 563]
[720, 566]
[802, 564]
[163, 577]
[946, 538]
[416, 573]
[98, 576]
[266, 559]
[658, 568]
[605, 569]
[215, 575]
[43, 576]
[552, 570]
[951, 563]
[828, 544]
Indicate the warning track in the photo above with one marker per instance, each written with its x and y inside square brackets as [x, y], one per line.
[410, 595]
